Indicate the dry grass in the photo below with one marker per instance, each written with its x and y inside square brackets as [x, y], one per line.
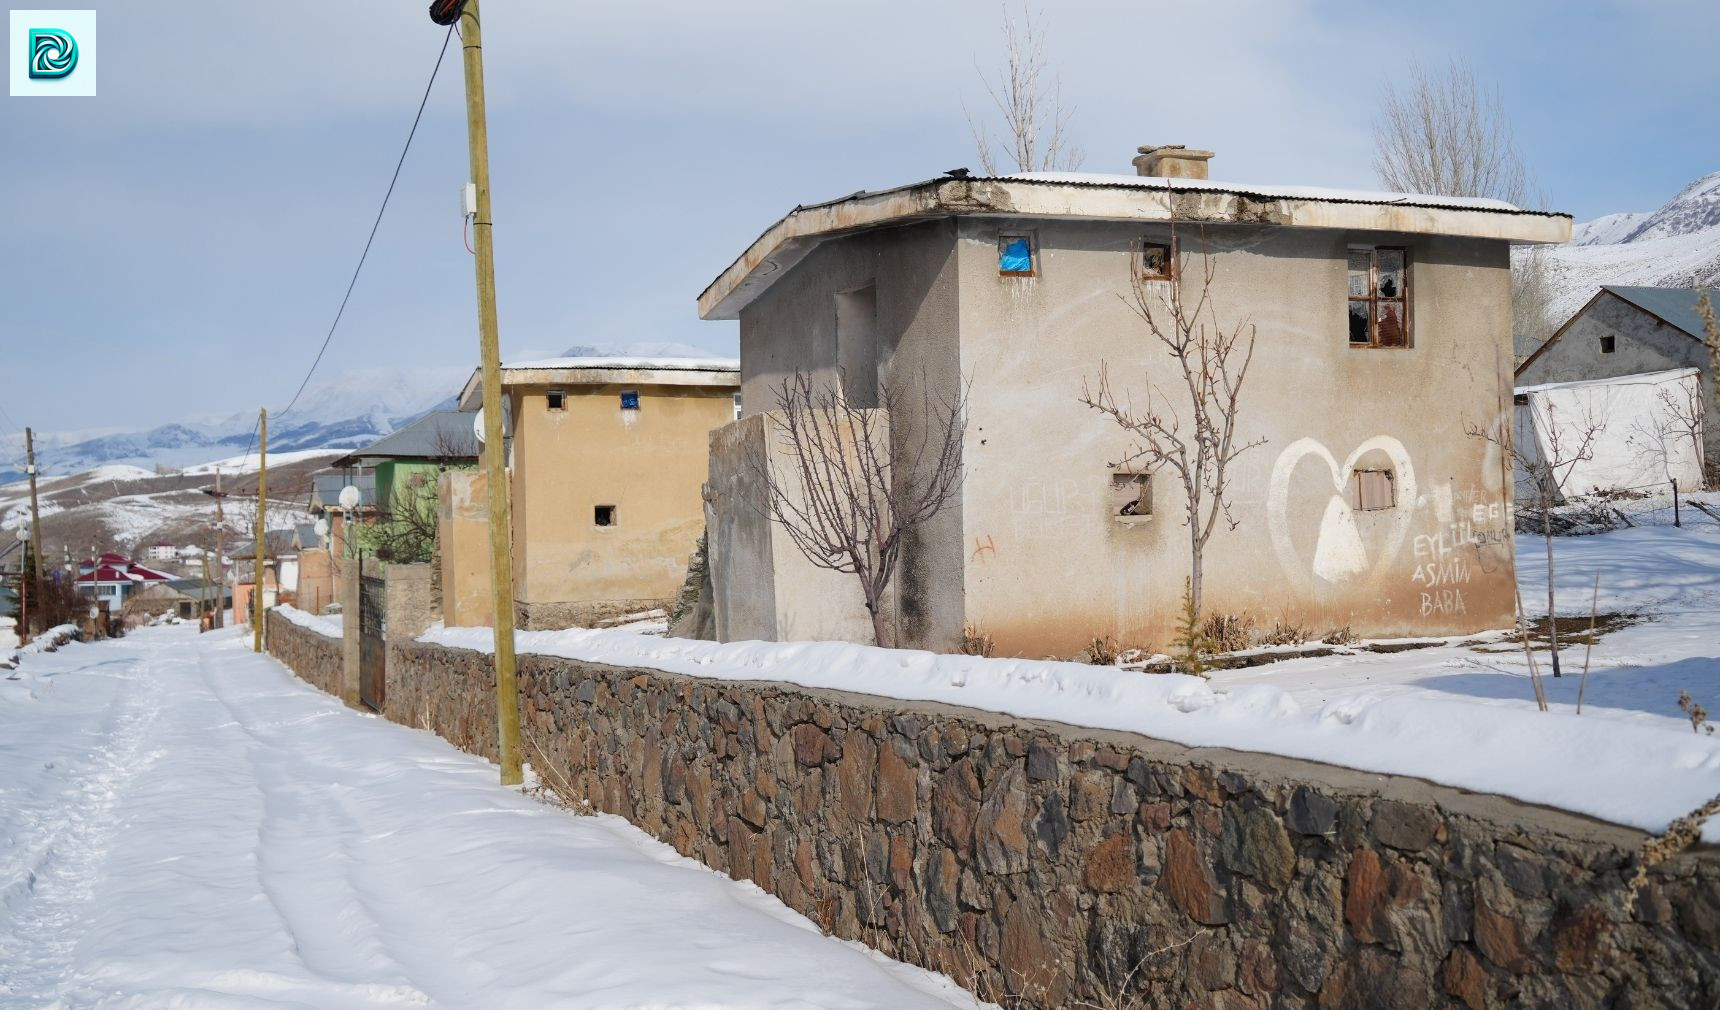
[1286, 632]
[975, 642]
[1698, 715]
[1341, 636]
[1103, 650]
[1229, 632]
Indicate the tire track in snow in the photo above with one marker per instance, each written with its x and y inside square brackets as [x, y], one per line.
[48, 902]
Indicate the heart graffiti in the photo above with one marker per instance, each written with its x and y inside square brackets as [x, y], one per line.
[1340, 553]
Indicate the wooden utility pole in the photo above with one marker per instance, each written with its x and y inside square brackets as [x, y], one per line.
[262, 530]
[35, 513]
[495, 454]
[220, 619]
[203, 601]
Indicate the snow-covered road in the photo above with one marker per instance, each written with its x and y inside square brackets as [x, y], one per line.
[183, 824]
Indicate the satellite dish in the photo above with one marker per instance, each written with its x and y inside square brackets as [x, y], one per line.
[478, 426]
[349, 498]
[322, 527]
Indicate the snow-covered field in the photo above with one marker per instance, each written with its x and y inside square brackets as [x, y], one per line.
[1452, 714]
[183, 824]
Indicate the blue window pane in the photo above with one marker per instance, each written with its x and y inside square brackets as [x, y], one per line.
[1016, 257]
[629, 401]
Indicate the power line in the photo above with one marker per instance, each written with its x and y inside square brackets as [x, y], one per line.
[377, 224]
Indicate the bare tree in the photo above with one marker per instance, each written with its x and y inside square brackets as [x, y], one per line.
[855, 481]
[1193, 432]
[1683, 419]
[1544, 467]
[1443, 134]
[1030, 102]
[1711, 338]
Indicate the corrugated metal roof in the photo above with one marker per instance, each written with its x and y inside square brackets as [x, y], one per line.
[429, 437]
[1675, 305]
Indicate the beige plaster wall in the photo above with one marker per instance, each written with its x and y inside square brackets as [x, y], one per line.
[1048, 566]
[764, 587]
[648, 463]
[463, 525]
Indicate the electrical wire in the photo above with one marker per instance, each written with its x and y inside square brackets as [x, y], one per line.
[375, 226]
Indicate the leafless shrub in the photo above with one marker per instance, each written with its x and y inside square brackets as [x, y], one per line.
[860, 479]
[1103, 650]
[1029, 99]
[1192, 434]
[1340, 636]
[1678, 837]
[1286, 632]
[1698, 715]
[975, 642]
[1229, 632]
[1545, 467]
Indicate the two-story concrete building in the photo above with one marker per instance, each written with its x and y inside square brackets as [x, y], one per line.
[1383, 331]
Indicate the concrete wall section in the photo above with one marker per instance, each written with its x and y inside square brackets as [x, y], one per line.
[1048, 564]
[1051, 866]
[463, 525]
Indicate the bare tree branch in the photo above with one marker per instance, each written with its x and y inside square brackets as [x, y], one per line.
[855, 481]
[1029, 101]
[1193, 433]
[1443, 134]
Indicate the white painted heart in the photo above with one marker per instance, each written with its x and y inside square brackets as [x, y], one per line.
[1339, 554]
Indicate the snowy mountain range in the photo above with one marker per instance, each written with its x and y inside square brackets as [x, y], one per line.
[349, 412]
[1675, 246]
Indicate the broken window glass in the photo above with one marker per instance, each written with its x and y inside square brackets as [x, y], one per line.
[1014, 254]
[1131, 494]
[1379, 297]
[1155, 261]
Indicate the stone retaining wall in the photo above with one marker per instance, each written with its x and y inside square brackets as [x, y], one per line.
[314, 657]
[1047, 865]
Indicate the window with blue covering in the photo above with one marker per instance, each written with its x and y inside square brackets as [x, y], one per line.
[1015, 255]
[630, 401]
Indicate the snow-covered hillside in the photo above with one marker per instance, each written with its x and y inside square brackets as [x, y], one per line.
[1675, 246]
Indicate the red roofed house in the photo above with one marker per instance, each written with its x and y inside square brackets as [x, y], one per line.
[111, 576]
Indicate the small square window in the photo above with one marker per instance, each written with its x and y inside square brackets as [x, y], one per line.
[630, 401]
[1015, 255]
[557, 399]
[1609, 344]
[1131, 495]
[1371, 490]
[603, 515]
[1153, 261]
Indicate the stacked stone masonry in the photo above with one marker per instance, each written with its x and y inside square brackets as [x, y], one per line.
[314, 657]
[1052, 866]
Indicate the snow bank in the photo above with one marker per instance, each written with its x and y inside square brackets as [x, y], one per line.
[330, 626]
[1639, 775]
[47, 641]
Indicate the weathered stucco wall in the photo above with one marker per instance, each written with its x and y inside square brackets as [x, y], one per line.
[1037, 508]
[1641, 343]
[1046, 864]
[647, 464]
[315, 658]
[463, 527]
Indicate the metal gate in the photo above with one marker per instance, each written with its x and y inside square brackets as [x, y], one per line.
[372, 640]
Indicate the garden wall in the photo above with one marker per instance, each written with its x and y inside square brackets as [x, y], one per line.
[1053, 866]
[314, 657]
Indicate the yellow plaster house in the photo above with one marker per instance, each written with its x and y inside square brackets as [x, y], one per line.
[607, 459]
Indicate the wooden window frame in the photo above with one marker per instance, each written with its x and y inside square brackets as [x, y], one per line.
[1004, 238]
[1373, 299]
[1139, 253]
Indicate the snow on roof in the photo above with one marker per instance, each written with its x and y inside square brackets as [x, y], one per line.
[662, 364]
[1636, 379]
[1281, 192]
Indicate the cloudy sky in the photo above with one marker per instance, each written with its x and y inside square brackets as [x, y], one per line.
[177, 246]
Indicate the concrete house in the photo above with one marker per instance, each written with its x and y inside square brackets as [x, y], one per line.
[606, 459]
[1383, 330]
[1626, 331]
